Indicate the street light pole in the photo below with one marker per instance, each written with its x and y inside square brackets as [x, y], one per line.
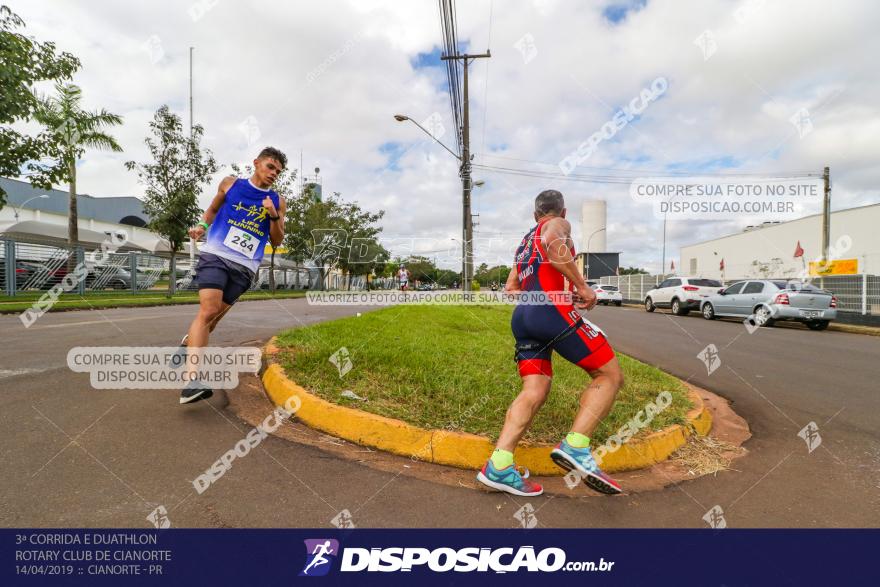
[404, 118]
[15, 210]
[467, 251]
[590, 238]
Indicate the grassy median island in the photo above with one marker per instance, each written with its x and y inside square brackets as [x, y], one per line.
[124, 298]
[452, 367]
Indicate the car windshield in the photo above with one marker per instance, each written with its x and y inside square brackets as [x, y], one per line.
[609, 287]
[704, 282]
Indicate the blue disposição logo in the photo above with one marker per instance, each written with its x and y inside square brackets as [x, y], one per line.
[320, 554]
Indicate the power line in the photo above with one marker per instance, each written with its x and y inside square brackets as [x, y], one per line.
[642, 172]
[448, 25]
[486, 87]
[622, 179]
[659, 172]
[486, 82]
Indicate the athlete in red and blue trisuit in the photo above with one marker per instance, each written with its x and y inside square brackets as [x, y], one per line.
[546, 319]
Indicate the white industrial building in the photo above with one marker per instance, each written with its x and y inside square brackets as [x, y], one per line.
[34, 229]
[41, 215]
[768, 250]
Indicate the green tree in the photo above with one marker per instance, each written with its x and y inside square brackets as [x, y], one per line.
[312, 232]
[174, 179]
[285, 187]
[391, 267]
[23, 62]
[75, 130]
[497, 274]
[446, 277]
[362, 252]
[322, 232]
[367, 257]
[633, 271]
[421, 268]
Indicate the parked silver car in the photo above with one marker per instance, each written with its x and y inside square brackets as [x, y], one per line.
[771, 300]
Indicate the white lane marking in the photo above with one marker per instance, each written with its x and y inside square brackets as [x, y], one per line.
[15, 372]
[106, 321]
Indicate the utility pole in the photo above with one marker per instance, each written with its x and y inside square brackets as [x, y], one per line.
[826, 213]
[663, 262]
[465, 172]
[192, 242]
[191, 91]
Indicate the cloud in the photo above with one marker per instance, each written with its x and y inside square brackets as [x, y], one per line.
[327, 78]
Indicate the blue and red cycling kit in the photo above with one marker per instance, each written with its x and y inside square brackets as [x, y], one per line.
[542, 327]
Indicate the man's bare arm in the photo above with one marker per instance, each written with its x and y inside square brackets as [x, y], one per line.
[557, 237]
[217, 203]
[213, 208]
[276, 227]
[512, 280]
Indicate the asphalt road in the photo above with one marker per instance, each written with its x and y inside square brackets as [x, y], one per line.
[74, 456]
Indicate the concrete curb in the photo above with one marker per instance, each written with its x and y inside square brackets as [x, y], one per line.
[457, 449]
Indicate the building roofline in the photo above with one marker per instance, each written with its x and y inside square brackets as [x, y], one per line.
[760, 227]
[28, 184]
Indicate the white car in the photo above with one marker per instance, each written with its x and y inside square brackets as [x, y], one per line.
[681, 294]
[607, 294]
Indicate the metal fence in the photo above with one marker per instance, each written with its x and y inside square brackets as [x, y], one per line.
[27, 267]
[855, 293]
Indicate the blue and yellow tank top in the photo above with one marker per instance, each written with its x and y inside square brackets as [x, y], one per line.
[240, 231]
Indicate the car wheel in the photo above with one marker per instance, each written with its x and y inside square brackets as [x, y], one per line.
[708, 311]
[618, 304]
[677, 308]
[763, 317]
[649, 305]
[817, 325]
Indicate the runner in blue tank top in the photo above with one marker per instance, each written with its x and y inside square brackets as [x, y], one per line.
[242, 218]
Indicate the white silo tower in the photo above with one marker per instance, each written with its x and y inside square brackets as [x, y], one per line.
[594, 215]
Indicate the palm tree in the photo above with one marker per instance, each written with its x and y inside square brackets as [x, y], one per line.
[76, 130]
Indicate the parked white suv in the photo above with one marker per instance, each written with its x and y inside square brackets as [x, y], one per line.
[681, 294]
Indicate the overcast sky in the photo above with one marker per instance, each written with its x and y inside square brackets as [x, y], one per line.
[326, 78]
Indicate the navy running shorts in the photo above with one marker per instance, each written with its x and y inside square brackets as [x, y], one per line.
[213, 272]
[539, 330]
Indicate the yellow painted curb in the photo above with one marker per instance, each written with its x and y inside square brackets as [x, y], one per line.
[458, 449]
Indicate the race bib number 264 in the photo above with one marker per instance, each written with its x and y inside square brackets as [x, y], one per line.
[242, 242]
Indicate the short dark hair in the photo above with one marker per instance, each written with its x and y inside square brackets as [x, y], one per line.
[274, 153]
[549, 202]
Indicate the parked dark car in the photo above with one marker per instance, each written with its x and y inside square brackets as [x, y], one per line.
[36, 274]
[24, 271]
[112, 277]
